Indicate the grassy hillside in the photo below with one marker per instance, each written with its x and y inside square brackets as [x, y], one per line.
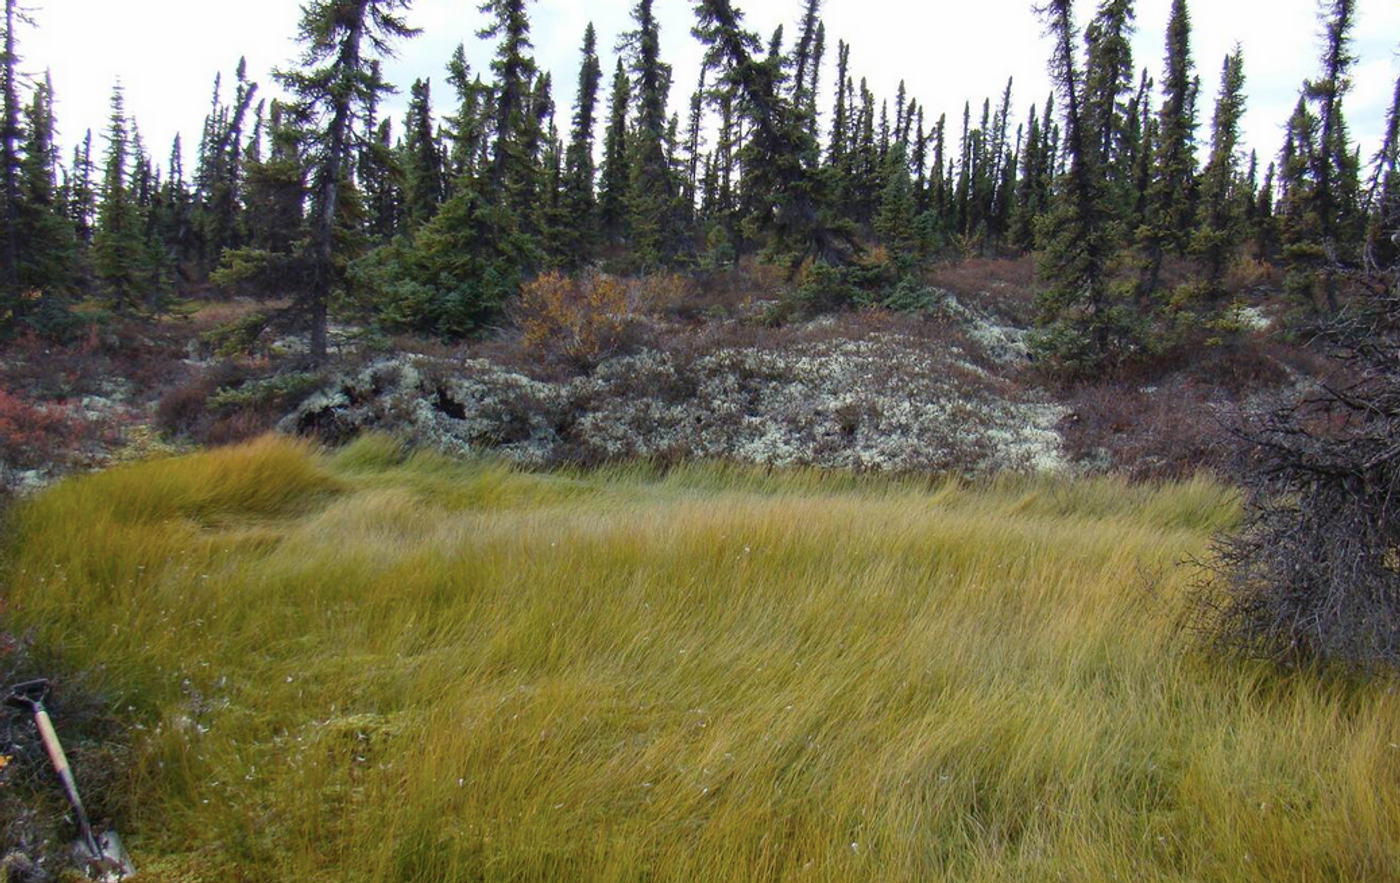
[357, 666]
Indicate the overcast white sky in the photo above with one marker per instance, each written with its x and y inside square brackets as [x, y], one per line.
[167, 52]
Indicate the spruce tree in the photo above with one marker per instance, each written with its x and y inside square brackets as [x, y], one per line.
[467, 128]
[1218, 236]
[1170, 214]
[654, 219]
[424, 173]
[47, 242]
[1332, 216]
[901, 98]
[838, 169]
[840, 117]
[1383, 194]
[804, 53]
[460, 268]
[11, 136]
[511, 164]
[178, 225]
[1264, 224]
[277, 188]
[1143, 138]
[538, 145]
[614, 181]
[379, 178]
[1023, 222]
[785, 195]
[919, 163]
[119, 253]
[333, 86]
[159, 270]
[219, 176]
[694, 141]
[865, 161]
[885, 132]
[1083, 327]
[895, 221]
[557, 227]
[1002, 178]
[725, 236]
[580, 201]
[938, 197]
[806, 68]
[1298, 224]
[1109, 81]
[966, 168]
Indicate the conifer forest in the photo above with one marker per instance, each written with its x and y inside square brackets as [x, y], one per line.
[610, 473]
[432, 223]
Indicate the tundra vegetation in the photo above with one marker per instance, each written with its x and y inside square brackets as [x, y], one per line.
[368, 664]
[793, 489]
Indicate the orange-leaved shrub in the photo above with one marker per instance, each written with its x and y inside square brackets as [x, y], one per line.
[578, 321]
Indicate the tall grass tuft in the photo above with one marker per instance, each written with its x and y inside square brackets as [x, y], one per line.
[378, 666]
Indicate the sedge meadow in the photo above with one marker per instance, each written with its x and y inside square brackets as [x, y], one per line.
[373, 665]
[713, 441]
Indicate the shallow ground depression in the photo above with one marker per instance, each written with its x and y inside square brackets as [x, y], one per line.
[368, 665]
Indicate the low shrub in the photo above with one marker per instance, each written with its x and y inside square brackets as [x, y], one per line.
[29, 433]
[239, 336]
[1001, 286]
[128, 360]
[664, 293]
[228, 404]
[184, 410]
[725, 291]
[239, 426]
[39, 436]
[1147, 432]
[877, 280]
[1251, 274]
[277, 392]
[452, 277]
[910, 296]
[823, 288]
[579, 322]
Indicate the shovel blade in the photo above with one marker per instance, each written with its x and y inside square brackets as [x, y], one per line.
[112, 866]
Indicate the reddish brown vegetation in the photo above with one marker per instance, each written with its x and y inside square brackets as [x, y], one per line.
[1003, 287]
[32, 435]
[1175, 416]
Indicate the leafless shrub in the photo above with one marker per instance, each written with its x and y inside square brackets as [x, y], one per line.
[730, 291]
[1313, 574]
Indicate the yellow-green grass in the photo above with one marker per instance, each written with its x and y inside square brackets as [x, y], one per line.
[361, 666]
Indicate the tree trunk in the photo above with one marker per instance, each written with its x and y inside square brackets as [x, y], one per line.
[318, 330]
[10, 147]
[337, 146]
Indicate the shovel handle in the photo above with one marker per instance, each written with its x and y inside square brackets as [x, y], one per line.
[65, 775]
[51, 743]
